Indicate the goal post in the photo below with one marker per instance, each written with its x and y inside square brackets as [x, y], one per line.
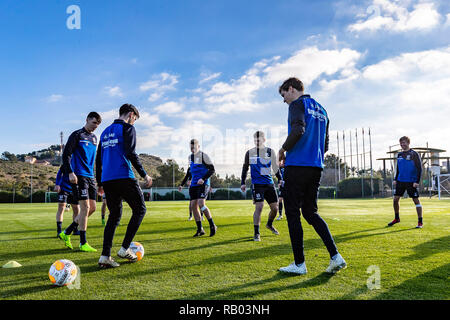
[51, 196]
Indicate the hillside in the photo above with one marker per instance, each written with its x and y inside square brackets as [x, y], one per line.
[16, 174]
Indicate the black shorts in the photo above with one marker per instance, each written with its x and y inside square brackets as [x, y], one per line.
[85, 189]
[264, 191]
[197, 192]
[401, 187]
[67, 197]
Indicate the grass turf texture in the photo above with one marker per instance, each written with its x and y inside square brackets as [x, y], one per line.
[414, 263]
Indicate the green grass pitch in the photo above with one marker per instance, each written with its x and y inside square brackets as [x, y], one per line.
[413, 263]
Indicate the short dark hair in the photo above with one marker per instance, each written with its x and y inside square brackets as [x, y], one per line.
[95, 115]
[291, 82]
[258, 134]
[404, 138]
[128, 107]
[194, 141]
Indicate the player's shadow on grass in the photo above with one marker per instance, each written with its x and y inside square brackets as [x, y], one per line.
[26, 239]
[31, 254]
[28, 231]
[349, 237]
[429, 285]
[429, 248]
[229, 293]
[14, 293]
[191, 227]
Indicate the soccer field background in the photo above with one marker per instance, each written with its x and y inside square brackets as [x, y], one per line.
[412, 263]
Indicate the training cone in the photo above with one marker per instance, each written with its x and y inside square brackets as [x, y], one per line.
[12, 264]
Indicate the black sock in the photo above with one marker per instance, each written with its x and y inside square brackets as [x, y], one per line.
[397, 216]
[256, 229]
[420, 220]
[199, 225]
[58, 226]
[280, 208]
[71, 228]
[82, 237]
[269, 222]
[211, 223]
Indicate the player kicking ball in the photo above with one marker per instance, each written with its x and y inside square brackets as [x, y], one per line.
[261, 161]
[407, 178]
[200, 170]
[115, 155]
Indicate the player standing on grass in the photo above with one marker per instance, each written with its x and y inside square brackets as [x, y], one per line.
[65, 196]
[115, 156]
[261, 161]
[407, 178]
[200, 170]
[78, 162]
[306, 145]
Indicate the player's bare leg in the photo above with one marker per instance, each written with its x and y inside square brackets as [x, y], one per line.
[205, 210]
[272, 214]
[396, 211]
[197, 217]
[419, 212]
[257, 220]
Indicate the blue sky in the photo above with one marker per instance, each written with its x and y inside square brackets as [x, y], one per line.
[211, 69]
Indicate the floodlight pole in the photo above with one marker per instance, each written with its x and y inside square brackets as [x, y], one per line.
[345, 163]
[31, 182]
[338, 159]
[371, 168]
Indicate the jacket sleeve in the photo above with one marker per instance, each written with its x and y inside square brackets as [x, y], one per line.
[297, 123]
[70, 147]
[186, 177]
[418, 164]
[245, 167]
[396, 171]
[98, 164]
[129, 142]
[58, 178]
[274, 163]
[208, 164]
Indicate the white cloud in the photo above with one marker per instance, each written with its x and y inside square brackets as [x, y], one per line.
[155, 96]
[447, 20]
[205, 77]
[159, 85]
[403, 95]
[114, 91]
[54, 98]
[395, 16]
[170, 107]
[310, 63]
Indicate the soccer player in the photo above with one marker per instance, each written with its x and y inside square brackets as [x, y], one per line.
[115, 156]
[280, 193]
[200, 170]
[78, 162]
[305, 147]
[407, 178]
[261, 161]
[65, 196]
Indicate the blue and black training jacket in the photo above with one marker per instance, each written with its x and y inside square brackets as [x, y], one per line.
[116, 153]
[307, 139]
